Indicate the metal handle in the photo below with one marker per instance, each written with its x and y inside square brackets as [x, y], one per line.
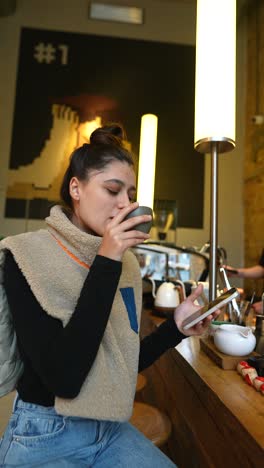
[228, 286]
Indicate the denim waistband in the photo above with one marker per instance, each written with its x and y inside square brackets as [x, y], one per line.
[18, 403]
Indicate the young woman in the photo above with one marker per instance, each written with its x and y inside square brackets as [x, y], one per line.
[74, 292]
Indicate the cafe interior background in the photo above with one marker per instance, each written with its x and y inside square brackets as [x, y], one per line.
[158, 56]
[200, 409]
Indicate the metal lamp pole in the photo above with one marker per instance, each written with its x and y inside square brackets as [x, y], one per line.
[215, 99]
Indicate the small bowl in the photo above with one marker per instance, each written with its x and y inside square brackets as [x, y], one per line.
[141, 210]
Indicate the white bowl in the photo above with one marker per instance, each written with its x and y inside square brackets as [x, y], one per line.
[234, 340]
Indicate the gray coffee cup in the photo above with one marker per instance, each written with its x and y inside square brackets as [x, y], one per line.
[141, 210]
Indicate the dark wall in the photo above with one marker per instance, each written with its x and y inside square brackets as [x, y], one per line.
[119, 79]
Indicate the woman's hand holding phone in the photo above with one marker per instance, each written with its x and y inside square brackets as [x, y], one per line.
[198, 319]
[188, 308]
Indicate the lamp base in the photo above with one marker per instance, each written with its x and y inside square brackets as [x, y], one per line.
[224, 144]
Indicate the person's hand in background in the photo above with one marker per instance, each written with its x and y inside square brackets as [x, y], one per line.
[258, 307]
[231, 271]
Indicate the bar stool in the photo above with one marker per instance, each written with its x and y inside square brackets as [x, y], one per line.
[152, 422]
[141, 383]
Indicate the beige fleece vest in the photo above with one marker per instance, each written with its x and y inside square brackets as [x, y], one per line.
[54, 263]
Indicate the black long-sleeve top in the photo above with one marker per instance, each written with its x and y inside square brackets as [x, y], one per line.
[261, 260]
[57, 359]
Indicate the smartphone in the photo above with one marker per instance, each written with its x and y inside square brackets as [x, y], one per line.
[209, 308]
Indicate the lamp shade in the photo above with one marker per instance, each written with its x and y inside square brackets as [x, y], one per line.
[147, 160]
[215, 74]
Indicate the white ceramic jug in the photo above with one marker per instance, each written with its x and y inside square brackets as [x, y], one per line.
[234, 340]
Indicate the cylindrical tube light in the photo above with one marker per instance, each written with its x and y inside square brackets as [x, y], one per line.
[147, 160]
[215, 75]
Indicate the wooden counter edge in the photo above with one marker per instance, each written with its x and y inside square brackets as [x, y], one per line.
[242, 400]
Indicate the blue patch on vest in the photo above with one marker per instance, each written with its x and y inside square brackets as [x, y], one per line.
[129, 300]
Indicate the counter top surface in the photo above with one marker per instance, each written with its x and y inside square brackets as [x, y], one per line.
[246, 404]
[217, 418]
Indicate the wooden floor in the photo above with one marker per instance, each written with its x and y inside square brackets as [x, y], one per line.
[6, 403]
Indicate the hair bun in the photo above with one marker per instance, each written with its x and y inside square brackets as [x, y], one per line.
[111, 134]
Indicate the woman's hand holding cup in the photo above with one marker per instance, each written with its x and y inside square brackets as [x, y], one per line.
[127, 229]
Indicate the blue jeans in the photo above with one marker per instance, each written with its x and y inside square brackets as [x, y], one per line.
[37, 436]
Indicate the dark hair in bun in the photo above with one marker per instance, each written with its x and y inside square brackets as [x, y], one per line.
[109, 134]
[107, 144]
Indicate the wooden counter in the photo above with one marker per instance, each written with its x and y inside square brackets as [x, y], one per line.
[218, 420]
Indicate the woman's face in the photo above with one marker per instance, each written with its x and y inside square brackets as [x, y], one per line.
[98, 200]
